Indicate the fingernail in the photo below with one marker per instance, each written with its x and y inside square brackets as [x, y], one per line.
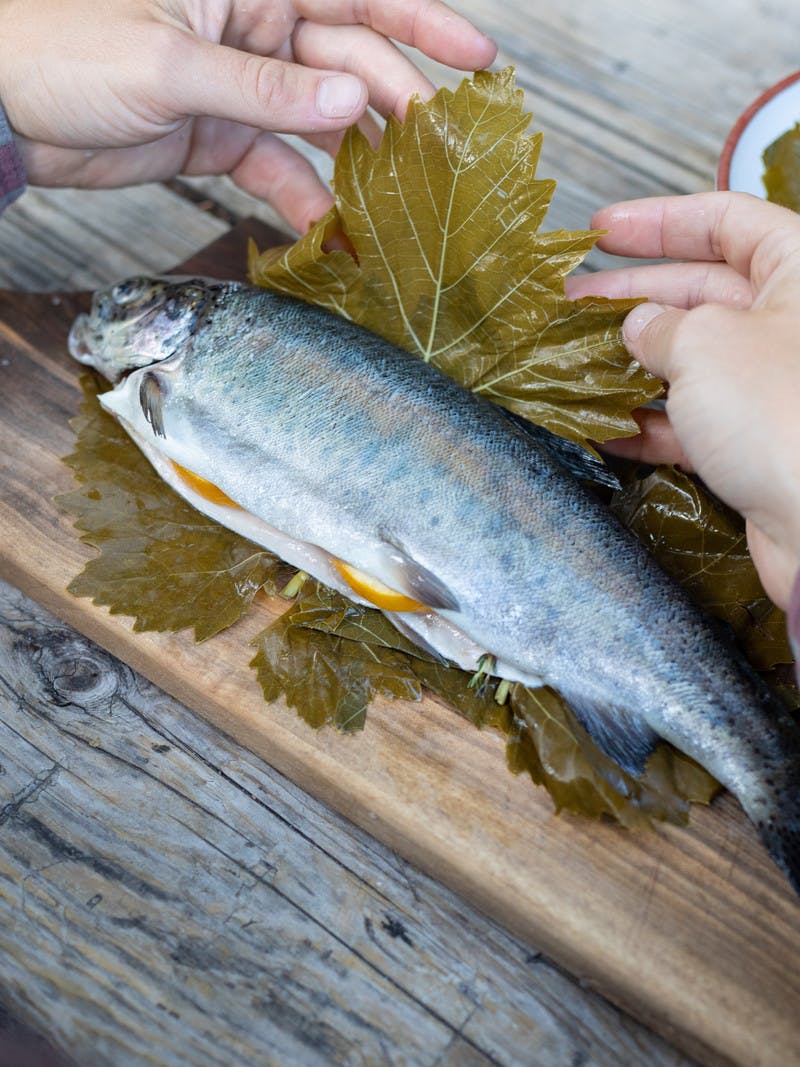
[640, 317]
[339, 96]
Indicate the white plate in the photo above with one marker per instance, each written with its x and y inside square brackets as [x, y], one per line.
[773, 113]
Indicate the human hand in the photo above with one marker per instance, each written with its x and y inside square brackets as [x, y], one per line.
[724, 333]
[131, 91]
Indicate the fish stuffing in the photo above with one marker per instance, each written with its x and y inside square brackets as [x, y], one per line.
[382, 477]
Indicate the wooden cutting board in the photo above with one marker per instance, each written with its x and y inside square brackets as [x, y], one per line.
[693, 930]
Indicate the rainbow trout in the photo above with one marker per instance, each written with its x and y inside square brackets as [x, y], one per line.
[384, 478]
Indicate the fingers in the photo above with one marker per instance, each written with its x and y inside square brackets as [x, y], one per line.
[391, 78]
[708, 344]
[343, 61]
[655, 443]
[275, 172]
[263, 164]
[427, 25]
[222, 82]
[682, 285]
[331, 141]
[703, 226]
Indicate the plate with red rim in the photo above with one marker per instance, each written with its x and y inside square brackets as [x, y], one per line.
[741, 166]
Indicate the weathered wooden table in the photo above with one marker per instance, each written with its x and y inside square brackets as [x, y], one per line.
[167, 897]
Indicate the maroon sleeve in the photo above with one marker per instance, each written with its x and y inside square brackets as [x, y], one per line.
[793, 622]
[12, 173]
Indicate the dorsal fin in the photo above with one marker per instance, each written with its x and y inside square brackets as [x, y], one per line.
[570, 454]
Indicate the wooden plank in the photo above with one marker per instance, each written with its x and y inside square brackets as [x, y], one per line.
[151, 869]
[692, 930]
[54, 239]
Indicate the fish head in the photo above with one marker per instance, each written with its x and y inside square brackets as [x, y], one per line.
[140, 321]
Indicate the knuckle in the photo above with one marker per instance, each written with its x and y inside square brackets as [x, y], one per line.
[777, 247]
[268, 83]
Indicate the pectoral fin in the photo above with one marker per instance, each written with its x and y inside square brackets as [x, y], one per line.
[151, 398]
[416, 581]
[403, 586]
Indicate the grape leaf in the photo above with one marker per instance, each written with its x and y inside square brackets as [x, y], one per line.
[329, 657]
[161, 561]
[782, 169]
[702, 544]
[448, 262]
[309, 271]
[549, 743]
[327, 678]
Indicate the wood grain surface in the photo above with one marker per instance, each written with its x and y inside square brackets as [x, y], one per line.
[168, 899]
[692, 930]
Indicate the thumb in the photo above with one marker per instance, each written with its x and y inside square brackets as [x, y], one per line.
[711, 341]
[649, 333]
[270, 94]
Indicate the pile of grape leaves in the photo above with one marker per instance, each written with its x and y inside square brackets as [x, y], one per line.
[434, 242]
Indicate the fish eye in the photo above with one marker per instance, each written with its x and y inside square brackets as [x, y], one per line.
[128, 291]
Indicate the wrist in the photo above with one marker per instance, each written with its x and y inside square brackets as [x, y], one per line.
[12, 172]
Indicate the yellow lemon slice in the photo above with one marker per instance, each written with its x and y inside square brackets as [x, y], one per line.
[203, 487]
[382, 596]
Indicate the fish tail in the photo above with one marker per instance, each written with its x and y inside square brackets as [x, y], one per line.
[777, 820]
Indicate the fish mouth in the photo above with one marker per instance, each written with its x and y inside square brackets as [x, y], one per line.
[78, 341]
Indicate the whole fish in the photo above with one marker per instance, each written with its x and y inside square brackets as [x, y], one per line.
[372, 470]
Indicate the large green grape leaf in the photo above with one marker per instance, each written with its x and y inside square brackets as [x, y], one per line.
[444, 219]
[329, 678]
